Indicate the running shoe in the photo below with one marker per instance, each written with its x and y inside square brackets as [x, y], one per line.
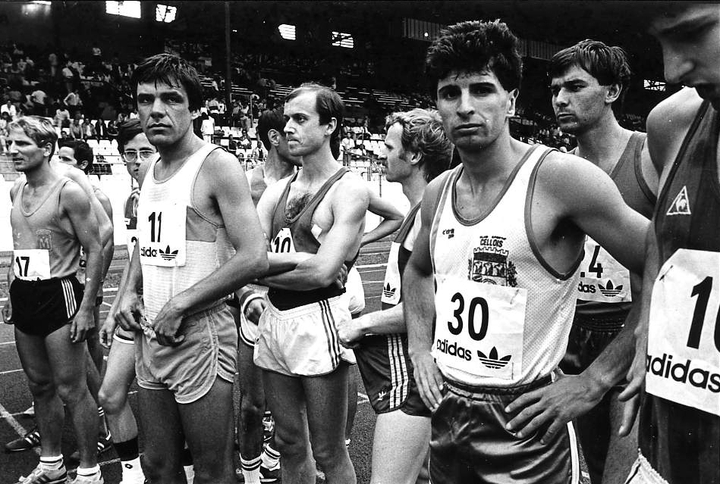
[104, 444]
[266, 475]
[41, 476]
[30, 440]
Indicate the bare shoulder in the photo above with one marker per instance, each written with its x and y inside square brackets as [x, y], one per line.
[16, 186]
[563, 170]
[351, 188]
[73, 196]
[221, 166]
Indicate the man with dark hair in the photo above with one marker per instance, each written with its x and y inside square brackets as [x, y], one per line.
[496, 266]
[51, 220]
[677, 345]
[314, 222]
[417, 151]
[588, 81]
[198, 241]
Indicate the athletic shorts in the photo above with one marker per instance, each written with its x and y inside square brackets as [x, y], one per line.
[123, 336]
[189, 369]
[643, 473]
[387, 373]
[355, 292]
[469, 443]
[42, 307]
[302, 341]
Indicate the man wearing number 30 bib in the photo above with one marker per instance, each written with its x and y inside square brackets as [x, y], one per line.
[678, 348]
[496, 263]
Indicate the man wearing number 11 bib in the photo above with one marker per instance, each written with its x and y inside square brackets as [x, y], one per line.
[678, 345]
[496, 265]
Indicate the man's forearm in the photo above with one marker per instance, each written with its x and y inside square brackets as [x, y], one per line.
[93, 279]
[419, 309]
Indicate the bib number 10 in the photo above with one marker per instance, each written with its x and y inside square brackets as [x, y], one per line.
[702, 291]
[477, 309]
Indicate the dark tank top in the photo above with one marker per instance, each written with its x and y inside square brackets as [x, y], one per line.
[301, 229]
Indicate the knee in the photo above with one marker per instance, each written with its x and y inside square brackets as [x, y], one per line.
[112, 400]
[41, 389]
[290, 446]
[326, 454]
[71, 391]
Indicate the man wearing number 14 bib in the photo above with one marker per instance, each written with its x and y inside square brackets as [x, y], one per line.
[496, 263]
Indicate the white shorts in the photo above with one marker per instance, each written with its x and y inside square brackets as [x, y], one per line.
[643, 473]
[302, 341]
[354, 292]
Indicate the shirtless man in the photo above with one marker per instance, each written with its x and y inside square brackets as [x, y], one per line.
[525, 210]
[677, 338]
[314, 222]
[52, 219]
[417, 151]
[198, 240]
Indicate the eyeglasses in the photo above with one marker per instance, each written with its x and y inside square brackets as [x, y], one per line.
[132, 156]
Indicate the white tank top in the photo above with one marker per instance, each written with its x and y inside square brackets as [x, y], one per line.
[503, 314]
[178, 245]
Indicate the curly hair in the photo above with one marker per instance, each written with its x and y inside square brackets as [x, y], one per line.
[475, 46]
[422, 132]
[81, 150]
[171, 70]
[38, 128]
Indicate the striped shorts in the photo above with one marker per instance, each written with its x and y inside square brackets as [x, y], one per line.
[42, 307]
[301, 341]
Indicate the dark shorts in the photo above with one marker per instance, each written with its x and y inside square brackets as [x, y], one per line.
[469, 443]
[387, 373]
[42, 307]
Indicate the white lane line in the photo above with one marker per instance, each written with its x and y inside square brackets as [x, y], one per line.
[10, 372]
[8, 343]
[19, 429]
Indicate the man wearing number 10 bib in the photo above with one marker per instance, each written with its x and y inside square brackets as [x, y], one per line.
[678, 345]
[496, 265]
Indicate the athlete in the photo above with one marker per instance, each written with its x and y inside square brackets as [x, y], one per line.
[676, 354]
[52, 219]
[496, 262]
[588, 83]
[137, 152]
[417, 151]
[198, 240]
[314, 222]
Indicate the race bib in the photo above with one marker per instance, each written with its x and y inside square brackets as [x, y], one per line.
[683, 360]
[132, 238]
[31, 264]
[602, 278]
[391, 286]
[283, 242]
[479, 327]
[162, 230]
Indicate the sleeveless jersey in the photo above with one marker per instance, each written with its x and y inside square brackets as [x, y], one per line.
[397, 260]
[43, 246]
[604, 292]
[680, 417]
[179, 245]
[503, 314]
[299, 234]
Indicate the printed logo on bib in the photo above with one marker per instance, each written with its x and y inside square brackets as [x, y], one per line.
[31, 264]
[162, 230]
[683, 359]
[283, 242]
[489, 263]
[681, 204]
[479, 327]
[602, 278]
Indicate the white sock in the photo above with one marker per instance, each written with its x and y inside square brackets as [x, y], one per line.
[131, 467]
[88, 471]
[251, 470]
[51, 463]
[270, 457]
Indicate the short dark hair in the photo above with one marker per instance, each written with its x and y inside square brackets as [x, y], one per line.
[127, 131]
[608, 64]
[422, 132]
[270, 119]
[169, 69]
[475, 46]
[328, 105]
[82, 152]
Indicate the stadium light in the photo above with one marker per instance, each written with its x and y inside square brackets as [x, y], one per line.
[130, 9]
[165, 13]
[342, 39]
[287, 31]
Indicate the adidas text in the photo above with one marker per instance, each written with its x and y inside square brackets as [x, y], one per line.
[148, 252]
[683, 372]
[586, 288]
[453, 350]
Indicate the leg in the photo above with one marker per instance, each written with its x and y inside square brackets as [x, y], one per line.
[252, 404]
[164, 437]
[326, 398]
[208, 425]
[49, 411]
[352, 406]
[286, 399]
[119, 375]
[622, 451]
[400, 446]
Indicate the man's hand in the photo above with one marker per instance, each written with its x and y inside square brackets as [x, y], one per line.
[342, 276]
[636, 383]
[349, 332]
[555, 404]
[254, 309]
[107, 331]
[82, 323]
[167, 324]
[7, 312]
[429, 379]
[130, 311]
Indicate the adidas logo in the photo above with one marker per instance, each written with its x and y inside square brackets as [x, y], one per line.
[608, 290]
[167, 254]
[389, 292]
[492, 361]
[382, 396]
[449, 232]
[681, 204]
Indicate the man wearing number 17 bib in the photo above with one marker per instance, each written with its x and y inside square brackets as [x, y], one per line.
[496, 266]
[678, 337]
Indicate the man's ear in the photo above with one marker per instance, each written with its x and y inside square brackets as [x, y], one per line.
[415, 157]
[512, 102]
[331, 126]
[613, 93]
[83, 165]
[274, 137]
